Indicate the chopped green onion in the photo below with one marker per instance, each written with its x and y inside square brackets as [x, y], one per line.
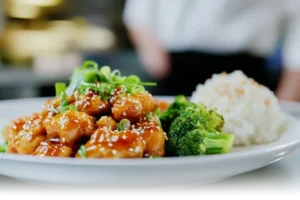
[116, 77]
[132, 79]
[116, 73]
[89, 85]
[89, 73]
[82, 151]
[148, 84]
[105, 73]
[90, 63]
[3, 148]
[102, 90]
[59, 88]
[76, 79]
[158, 121]
[67, 108]
[73, 107]
[81, 75]
[63, 99]
[153, 157]
[149, 116]
[135, 89]
[157, 111]
[123, 125]
[155, 118]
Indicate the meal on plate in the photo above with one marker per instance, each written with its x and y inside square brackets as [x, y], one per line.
[102, 114]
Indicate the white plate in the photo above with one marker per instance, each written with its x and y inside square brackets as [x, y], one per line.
[163, 171]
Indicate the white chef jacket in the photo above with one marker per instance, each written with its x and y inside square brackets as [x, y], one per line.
[221, 26]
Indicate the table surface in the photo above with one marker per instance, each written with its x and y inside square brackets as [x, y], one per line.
[283, 173]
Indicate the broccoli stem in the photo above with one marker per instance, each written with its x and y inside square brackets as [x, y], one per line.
[218, 143]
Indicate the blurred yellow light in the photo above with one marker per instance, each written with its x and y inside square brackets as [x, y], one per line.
[42, 3]
[95, 38]
[21, 11]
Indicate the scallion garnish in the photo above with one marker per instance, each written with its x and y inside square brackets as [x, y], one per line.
[148, 84]
[59, 88]
[89, 63]
[124, 125]
[153, 157]
[157, 111]
[155, 118]
[135, 89]
[67, 108]
[82, 151]
[89, 73]
[105, 73]
[63, 99]
[3, 147]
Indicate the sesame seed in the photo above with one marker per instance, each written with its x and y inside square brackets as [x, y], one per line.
[130, 149]
[102, 149]
[114, 138]
[124, 137]
[101, 138]
[110, 144]
[92, 140]
[137, 149]
[91, 148]
[114, 152]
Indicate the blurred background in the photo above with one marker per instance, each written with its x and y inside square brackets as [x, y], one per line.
[41, 41]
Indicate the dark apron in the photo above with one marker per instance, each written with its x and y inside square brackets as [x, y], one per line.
[192, 68]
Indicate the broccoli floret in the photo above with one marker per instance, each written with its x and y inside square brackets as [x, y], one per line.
[213, 119]
[167, 117]
[193, 133]
[201, 142]
[188, 120]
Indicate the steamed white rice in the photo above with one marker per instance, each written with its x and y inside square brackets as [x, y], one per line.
[251, 111]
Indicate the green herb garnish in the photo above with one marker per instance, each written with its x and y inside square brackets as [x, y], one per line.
[86, 77]
[153, 157]
[3, 148]
[59, 88]
[124, 125]
[153, 117]
[82, 151]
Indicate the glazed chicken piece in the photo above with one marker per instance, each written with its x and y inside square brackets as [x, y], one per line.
[108, 122]
[153, 135]
[91, 103]
[161, 105]
[70, 126]
[49, 107]
[53, 148]
[108, 143]
[131, 107]
[14, 127]
[53, 104]
[29, 138]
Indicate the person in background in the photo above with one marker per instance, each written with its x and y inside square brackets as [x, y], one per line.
[181, 43]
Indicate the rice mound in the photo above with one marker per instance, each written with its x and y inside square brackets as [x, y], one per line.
[251, 111]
